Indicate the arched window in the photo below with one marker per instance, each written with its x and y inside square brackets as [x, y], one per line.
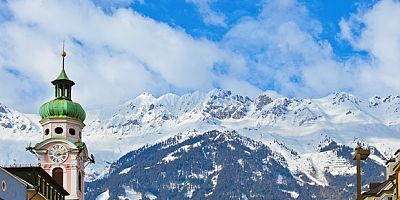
[58, 175]
[47, 131]
[80, 181]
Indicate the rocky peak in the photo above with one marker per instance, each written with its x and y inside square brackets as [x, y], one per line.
[338, 98]
[3, 109]
[377, 100]
[262, 101]
[223, 104]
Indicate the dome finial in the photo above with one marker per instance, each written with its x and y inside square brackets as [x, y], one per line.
[63, 53]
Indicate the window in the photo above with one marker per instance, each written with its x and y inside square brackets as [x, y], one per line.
[72, 131]
[47, 131]
[3, 185]
[80, 181]
[58, 175]
[58, 130]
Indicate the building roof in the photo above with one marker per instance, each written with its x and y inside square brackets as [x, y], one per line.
[12, 175]
[63, 75]
[398, 151]
[390, 160]
[20, 171]
[63, 78]
[377, 188]
[62, 108]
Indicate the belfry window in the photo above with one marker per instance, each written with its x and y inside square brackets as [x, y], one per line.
[58, 175]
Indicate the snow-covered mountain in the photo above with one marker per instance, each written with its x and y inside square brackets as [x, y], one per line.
[299, 124]
[223, 165]
[306, 133]
[16, 122]
[16, 131]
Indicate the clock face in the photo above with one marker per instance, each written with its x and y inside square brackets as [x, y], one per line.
[58, 153]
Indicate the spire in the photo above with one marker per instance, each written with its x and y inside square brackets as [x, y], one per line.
[63, 75]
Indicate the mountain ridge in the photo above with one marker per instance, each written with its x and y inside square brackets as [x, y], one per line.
[218, 165]
[296, 129]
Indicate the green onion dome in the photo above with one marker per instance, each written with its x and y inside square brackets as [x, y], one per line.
[62, 108]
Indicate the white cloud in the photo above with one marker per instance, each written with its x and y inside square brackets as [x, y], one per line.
[115, 56]
[113, 4]
[209, 15]
[111, 57]
[377, 32]
[285, 50]
[240, 87]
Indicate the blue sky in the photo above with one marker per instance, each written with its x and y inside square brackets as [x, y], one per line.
[186, 15]
[119, 49]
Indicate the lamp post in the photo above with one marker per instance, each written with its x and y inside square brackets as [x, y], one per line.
[360, 154]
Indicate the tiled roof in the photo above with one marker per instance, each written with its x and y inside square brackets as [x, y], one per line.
[377, 188]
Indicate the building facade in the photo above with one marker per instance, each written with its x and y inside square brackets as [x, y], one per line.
[389, 189]
[11, 186]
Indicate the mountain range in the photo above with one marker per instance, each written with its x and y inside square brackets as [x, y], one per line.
[220, 145]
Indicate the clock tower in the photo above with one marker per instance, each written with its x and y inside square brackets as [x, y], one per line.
[62, 153]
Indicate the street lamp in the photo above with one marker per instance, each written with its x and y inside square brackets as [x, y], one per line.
[360, 154]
